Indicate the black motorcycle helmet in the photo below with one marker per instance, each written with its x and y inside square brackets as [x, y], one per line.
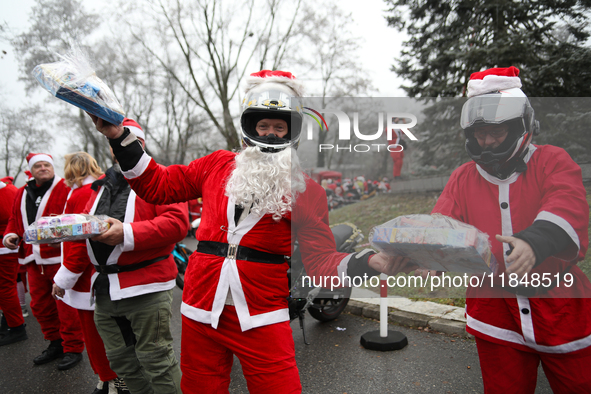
[508, 107]
[272, 95]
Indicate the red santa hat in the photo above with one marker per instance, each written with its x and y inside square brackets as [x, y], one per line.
[7, 180]
[283, 80]
[33, 158]
[493, 80]
[134, 127]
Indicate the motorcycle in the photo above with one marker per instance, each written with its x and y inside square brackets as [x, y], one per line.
[181, 257]
[322, 304]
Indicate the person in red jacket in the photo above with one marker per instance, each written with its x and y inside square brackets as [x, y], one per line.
[12, 327]
[531, 202]
[45, 195]
[133, 282]
[80, 171]
[236, 284]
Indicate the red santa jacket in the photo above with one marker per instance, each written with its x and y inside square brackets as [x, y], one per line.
[150, 231]
[551, 189]
[7, 196]
[79, 295]
[259, 290]
[52, 203]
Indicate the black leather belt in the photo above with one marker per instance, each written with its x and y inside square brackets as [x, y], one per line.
[239, 252]
[115, 269]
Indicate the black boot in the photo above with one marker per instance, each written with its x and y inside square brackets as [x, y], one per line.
[70, 360]
[3, 326]
[53, 351]
[14, 334]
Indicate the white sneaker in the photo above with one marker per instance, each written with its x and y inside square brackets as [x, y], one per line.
[25, 310]
[115, 386]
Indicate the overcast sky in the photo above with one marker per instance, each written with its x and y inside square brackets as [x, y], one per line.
[380, 47]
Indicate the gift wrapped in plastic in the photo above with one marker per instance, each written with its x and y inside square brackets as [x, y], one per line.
[67, 227]
[435, 242]
[73, 80]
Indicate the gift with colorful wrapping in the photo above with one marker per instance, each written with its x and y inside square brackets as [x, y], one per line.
[435, 242]
[66, 227]
[73, 80]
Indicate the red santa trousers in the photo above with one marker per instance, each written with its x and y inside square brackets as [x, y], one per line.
[266, 354]
[398, 158]
[9, 303]
[95, 347]
[57, 319]
[506, 370]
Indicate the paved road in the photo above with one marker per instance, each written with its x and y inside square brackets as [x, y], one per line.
[334, 362]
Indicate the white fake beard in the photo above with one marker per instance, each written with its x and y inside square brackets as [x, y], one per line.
[270, 181]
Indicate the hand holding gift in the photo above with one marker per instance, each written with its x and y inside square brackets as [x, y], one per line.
[436, 243]
[67, 227]
[73, 80]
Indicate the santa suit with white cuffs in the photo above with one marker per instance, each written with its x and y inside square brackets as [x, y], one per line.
[551, 189]
[259, 290]
[537, 201]
[57, 320]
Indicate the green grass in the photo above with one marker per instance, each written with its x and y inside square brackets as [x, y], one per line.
[374, 211]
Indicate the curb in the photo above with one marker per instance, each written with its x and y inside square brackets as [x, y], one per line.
[409, 319]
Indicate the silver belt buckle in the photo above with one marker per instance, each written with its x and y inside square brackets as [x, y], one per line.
[232, 251]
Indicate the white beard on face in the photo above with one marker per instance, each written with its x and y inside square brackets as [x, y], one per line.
[268, 181]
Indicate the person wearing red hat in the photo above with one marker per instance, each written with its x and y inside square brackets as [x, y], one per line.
[255, 203]
[133, 282]
[44, 195]
[12, 327]
[531, 202]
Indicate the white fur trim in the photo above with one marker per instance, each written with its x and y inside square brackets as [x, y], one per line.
[128, 239]
[492, 83]
[295, 86]
[79, 300]
[2, 185]
[139, 168]
[65, 278]
[8, 251]
[26, 260]
[40, 157]
[514, 337]
[139, 133]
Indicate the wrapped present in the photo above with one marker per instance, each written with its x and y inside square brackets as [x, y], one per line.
[435, 242]
[67, 227]
[73, 80]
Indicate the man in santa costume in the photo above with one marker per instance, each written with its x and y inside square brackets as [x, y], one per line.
[531, 202]
[133, 282]
[255, 204]
[12, 327]
[44, 195]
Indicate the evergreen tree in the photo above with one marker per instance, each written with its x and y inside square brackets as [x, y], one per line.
[449, 40]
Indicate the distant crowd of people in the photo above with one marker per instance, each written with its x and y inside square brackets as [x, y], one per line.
[352, 190]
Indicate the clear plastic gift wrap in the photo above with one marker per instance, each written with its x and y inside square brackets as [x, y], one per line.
[67, 227]
[435, 242]
[73, 80]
